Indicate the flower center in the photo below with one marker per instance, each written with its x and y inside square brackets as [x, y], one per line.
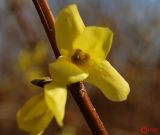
[79, 57]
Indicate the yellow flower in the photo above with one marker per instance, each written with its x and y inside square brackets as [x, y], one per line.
[83, 50]
[37, 113]
[34, 116]
[30, 61]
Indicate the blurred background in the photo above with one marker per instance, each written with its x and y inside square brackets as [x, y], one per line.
[135, 54]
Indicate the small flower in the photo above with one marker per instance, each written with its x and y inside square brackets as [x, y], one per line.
[31, 61]
[35, 116]
[83, 50]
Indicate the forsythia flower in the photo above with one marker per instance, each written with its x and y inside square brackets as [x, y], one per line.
[83, 50]
[37, 113]
[30, 61]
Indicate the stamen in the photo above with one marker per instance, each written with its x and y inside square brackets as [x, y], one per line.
[80, 57]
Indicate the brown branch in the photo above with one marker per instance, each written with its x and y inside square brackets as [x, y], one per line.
[48, 22]
[30, 34]
[77, 90]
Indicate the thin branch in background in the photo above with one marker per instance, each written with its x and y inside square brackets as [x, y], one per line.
[77, 90]
[31, 36]
[16, 7]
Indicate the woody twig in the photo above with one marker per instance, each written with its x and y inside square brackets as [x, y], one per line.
[77, 90]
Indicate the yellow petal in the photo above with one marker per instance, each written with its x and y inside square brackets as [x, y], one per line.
[34, 116]
[24, 60]
[55, 97]
[33, 73]
[40, 133]
[109, 81]
[40, 53]
[65, 72]
[95, 41]
[68, 27]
